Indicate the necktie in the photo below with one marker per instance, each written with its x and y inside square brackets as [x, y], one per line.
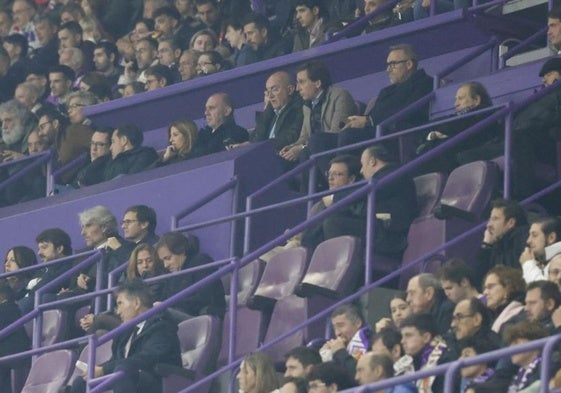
[272, 134]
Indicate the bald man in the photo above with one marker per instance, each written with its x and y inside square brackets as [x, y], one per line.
[281, 121]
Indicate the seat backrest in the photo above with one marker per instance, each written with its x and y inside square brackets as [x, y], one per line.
[470, 187]
[429, 189]
[50, 372]
[102, 354]
[199, 338]
[283, 273]
[248, 279]
[54, 327]
[335, 266]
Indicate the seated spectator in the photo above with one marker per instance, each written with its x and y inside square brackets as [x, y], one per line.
[221, 130]
[73, 58]
[76, 102]
[236, 40]
[542, 299]
[396, 207]
[534, 133]
[504, 238]
[92, 172]
[17, 341]
[408, 84]
[300, 361]
[257, 374]
[456, 279]
[543, 232]
[155, 342]
[330, 376]
[281, 121]
[17, 47]
[421, 7]
[17, 123]
[92, 30]
[168, 55]
[352, 339]
[485, 145]
[311, 18]
[373, 368]
[24, 12]
[210, 62]
[100, 86]
[167, 25]
[70, 36]
[554, 271]
[343, 171]
[325, 109]
[471, 320]
[52, 244]
[158, 76]
[188, 65]
[425, 295]
[106, 61]
[61, 78]
[504, 290]
[143, 263]
[7, 85]
[424, 349]
[146, 53]
[388, 342]
[203, 41]
[46, 54]
[477, 373]
[529, 362]
[178, 252]
[19, 257]
[39, 76]
[260, 38]
[399, 310]
[208, 12]
[28, 94]
[139, 225]
[128, 154]
[182, 136]
[385, 19]
[5, 22]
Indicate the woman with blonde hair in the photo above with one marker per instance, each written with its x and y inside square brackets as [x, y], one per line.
[182, 135]
[257, 374]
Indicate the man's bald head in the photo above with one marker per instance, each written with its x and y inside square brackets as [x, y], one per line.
[278, 89]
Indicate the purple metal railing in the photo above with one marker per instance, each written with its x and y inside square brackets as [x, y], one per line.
[37, 160]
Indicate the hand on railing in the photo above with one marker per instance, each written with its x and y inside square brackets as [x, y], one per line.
[9, 155]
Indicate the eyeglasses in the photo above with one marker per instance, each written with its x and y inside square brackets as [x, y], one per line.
[273, 90]
[392, 64]
[459, 317]
[98, 145]
[200, 65]
[76, 106]
[128, 222]
[329, 174]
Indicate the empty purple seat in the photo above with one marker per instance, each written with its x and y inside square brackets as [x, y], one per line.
[199, 338]
[334, 268]
[50, 372]
[54, 327]
[248, 332]
[102, 354]
[248, 279]
[429, 189]
[280, 278]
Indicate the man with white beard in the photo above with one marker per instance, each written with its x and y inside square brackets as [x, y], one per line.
[17, 123]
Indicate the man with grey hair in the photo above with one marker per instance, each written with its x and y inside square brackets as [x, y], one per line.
[76, 102]
[28, 94]
[73, 58]
[408, 84]
[425, 295]
[17, 123]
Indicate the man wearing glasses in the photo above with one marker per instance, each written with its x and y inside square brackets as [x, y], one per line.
[92, 173]
[408, 84]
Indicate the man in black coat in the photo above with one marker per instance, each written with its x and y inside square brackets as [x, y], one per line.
[409, 84]
[137, 351]
[262, 40]
[221, 131]
[129, 156]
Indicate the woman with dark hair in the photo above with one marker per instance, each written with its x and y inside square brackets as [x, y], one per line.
[17, 258]
[179, 252]
[257, 374]
[182, 135]
[399, 310]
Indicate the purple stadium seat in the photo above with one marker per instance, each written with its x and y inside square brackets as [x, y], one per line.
[102, 354]
[248, 279]
[280, 278]
[248, 333]
[429, 189]
[54, 327]
[50, 372]
[199, 338]
[334, 268]
[465, 198]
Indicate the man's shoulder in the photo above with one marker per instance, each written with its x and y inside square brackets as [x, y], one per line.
[338, 92]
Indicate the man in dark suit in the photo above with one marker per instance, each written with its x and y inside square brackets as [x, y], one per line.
[137, 351]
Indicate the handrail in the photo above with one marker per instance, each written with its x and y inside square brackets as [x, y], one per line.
[462, 61]
[203, 201]
[408, 109]
[521, 46]
[39, 159]
[359, 24]
[80, 160]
